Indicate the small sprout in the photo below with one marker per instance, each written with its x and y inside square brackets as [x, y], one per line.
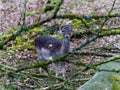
[90, 0]
[30, 14]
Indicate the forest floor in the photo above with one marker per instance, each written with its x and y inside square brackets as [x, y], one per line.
[11, 10]
[10, 17]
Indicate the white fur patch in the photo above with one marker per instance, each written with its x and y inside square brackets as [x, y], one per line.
[45, 51]
[50, 58]
[50, 45]
[46, 54]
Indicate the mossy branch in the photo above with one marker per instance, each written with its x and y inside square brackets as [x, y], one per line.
[93, 66]
[12, 70]
[43, 64]
[74, 16]
[105, 32]
[8, 67]
[108, 33]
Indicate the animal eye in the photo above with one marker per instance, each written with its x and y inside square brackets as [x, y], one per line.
[62, 30]
[50, 46]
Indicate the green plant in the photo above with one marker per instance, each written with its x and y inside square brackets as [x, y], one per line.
[3, 1]
[30, 14]
[90, 0]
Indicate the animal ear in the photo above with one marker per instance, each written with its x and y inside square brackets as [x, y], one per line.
[69, 24]
[58, 30]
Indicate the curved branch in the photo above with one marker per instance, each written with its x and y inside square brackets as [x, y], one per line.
[74, 16]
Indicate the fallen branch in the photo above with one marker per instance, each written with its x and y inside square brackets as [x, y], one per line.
[104, 32]
[60, 84]
[42, 64]
[74, 16]
[93, 66]
[54, 86]
[93, 53]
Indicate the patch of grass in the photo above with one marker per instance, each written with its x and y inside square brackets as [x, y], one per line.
[115, 81]
[30, 14]
[4, 1]
[40, 11]
[35, 30]
[22, 47]
[18, 40]
[90, 0]
[80, 4]
[75, 4]
[77, 24]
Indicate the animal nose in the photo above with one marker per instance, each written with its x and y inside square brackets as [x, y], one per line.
[66, 36]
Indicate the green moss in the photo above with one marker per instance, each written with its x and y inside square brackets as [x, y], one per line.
[21, 42]
[18, 40]
[57, 36]
[108, 33]
[80, 4]
[115, 81]
[35, 30]
[92, 12]
[77, 23]
[40, 11]
[2, 53]
[30, 14]
[4, 1]
[75, 4]
[90, 0]
[71, 4]
[21, 47]
[51, 5]
[13, 29]
[25, 46]
[1, 42]
[5, 36]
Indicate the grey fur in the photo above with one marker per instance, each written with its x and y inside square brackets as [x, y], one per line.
[48, 47]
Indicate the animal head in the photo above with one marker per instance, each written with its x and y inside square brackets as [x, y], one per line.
[67, 29]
